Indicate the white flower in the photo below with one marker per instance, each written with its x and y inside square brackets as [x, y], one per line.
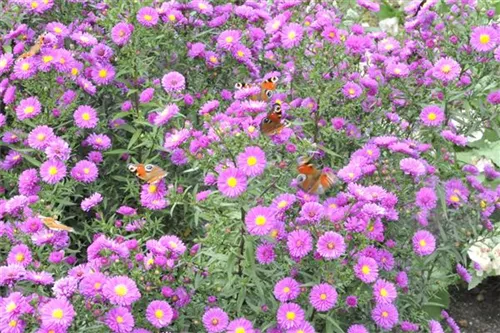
[480, 254]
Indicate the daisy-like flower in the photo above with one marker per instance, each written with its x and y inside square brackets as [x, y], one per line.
[103, 74]
[57, 29]
[29, 182]
[352, 90]
[84, 39]
[121, 32]
[426, 198]
[484, 38]
[432, 116]
[311, 212]
[147, 17]
[291, 35]
[14, 305]
[252, 161]
[241, 53]
[41, 137]
[227, 39]
[331, 245]
[265, 253]
[173, 82]
[384, 292]
[19, 255]
[173, 244]
[159, 314]
[120, 320]
[85, 171]
[28, 108]
[90, 202]
[91, 285]
[446, 69]
[57, 149]
[231, 182]
[366, 269]
[323, 297]
[85, 117]
[259, 220]
[52, 171]
[98, 141]
[215, 320]
[385, 316]
[168, 113]
[286, 289]
[121, 290]
[413, 167]
[208, 107]
[283, 202]
[25, 68]
[357, 328]
[290, 315]
[435, 327]
[299, 243]
[424, 243]
[57, 312]
[240, 325]
[6, 60]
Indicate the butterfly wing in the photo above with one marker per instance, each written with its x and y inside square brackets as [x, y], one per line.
[272, 123]
[55, 225]
[155, 175]
[149, 173]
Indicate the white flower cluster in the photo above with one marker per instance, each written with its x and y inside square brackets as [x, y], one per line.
[486, 253]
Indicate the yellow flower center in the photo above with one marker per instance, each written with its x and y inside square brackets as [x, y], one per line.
[232, 182]
[383, 292]
[62, 61]
[159, 314]
[25, 66]
[446, 69]
[322, 296]
[389, 47]
[52, 171]
[251, 161]
[260, 220]
[365, 269]
[331, 246]
[397, 71]
[171, 17]
[385, 314]
[240, 54]
[431, 116]
[229, 39]
[251, 129]
[292, 35]
[98, 140]
[286, 290]
[483, 204]
[332, 205]
[351, 175]
[290, 315]
[172, 245]
[97, 285]
[47, 58]
[19, 257]
[57, 30]
[331, 34]
[282, 204]
[484, 39]
[103, 73]
[215, 321]
[152, 188]
[86, 116]
[202, 6]
[86, 171]
[423, 243]
[213, 59]
[351, 91]
[11, 307]
[119, 319]
[3, 63]
[13, 323]
[148, 17]
[150, 261]
[57, 314]
[74, 71]
[276, 25]
[121, 290]
[454, 198]
[34, 5]
[307, 23]
[29, 110]
[239, 330]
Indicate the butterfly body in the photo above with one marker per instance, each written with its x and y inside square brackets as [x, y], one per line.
[34, 50]
[312, 180]
[267, 88]
[148, 172]
[53, 224]
[272, 124]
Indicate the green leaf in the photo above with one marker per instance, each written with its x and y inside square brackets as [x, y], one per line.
[32, 160]
[437, 303]
[333, 322]
[476, 280]
[134, 138]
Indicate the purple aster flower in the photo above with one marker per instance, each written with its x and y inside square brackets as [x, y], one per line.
[291, 35]
[352, 90]
[323, 297]
[40, 137]
[146, 95]
[65, 287]
[413, 167]
[52, 171]
[121, 32]
[286, 289]
[265, 253]
[159, 314]
[28, 108]
[484, 38]
[240, 325]
[252, 161]
[290, 315]
[9, 96]
[311, 212]
[492, 98]
[126, 210]
[173, 244]
[459, 140]
[173, 82]
[227, 39]
[57, 312]
[369, 5]
[121, 290]
[6, 60]
[259, 220]
[215, 320]
[13, 306]
[19, 255]
[384, 292]
[147, 16]
[25, 68]
[385, 315]
[208, 107]
[103, 74]
[357, 328]
[168, 113]
[29, 182]
[432, 116]
[407, 326]
[299, 243]
[85, 117]
[446, 69]
[435, 327]
[351, 301]
[91, 285]
[84, 39]
[463, 273]
[366, 269]
[57, 149]
[231, 182]
[102, 52]
[119, 320]
[85, 171]
[424, 243]
[331, 245]
[426, 198]
[90, 202]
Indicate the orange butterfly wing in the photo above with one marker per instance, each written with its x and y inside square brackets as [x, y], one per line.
[52, 224]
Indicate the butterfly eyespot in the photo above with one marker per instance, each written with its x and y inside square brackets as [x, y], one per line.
[148, 167]
[269, 93]
[131, 168]
[238, 85]
[274, 79]
[277, 108]
[301, 177]
[267, 120]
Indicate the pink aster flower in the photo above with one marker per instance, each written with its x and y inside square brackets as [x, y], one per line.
[28, 108]
[159, 314]
[85, 171]
[357, 328]
[413, 167]
[227, 39]
[85, 117]
[103, 74]
[231, 182]
[163, 117]
[52, 171]
[366, 269]
[385, 316]
[25, 68]
[215, 320]
[57, 312]
[147, 16]
[432, 116]
[286, 289]
[121, 32]
[426, 198]
[92, 201]
[291, 35]
[457, 139]
[41, 137]
[119, 320]
[424, 243]
[331, 245]
[6, 60]
[121, 290]
[290, 315]
[240, 325]
[265, 253]
[323, 297]
[252, 161]
[352, 90]
[19, 255]
[384, 292]
[446, 69]
[299, 243]
[173, 82]
[484, 38]
[259, 220]
[98, 141]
